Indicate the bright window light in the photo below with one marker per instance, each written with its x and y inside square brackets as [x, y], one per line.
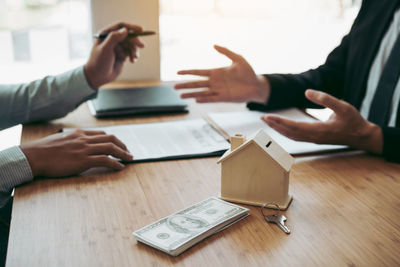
[274, 36]
[42, 37]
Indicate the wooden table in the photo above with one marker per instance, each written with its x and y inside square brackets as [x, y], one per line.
[346, 211]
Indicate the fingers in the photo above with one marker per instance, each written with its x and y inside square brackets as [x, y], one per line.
[195, 84]
[120, 53]
[109, 149]
[131, 27]
[205, 73]
[299, 131]
[231, 55]
[118, 33]
[133, 55]
[129, 48]
[326, 100]
[117, 26]
[209, 98]
[206, 96]
[104, 161]
[92, 132]
[107, 139]
[115, 37]
[78, 132]
[138, 42]
[97, 137]
[201, 94]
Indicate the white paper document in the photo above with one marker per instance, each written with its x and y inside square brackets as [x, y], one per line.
[249, 122]
[169, 140]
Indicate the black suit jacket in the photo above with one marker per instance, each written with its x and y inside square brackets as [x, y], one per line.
[345, 72]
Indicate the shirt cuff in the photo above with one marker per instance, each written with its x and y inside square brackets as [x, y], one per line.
[77, 89]
[14, 170]
[278, 97]
[391, 144]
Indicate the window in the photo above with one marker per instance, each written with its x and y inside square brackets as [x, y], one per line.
[41, 37]
[274, 36]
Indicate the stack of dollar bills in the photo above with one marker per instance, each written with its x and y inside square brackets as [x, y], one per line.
[183, 229]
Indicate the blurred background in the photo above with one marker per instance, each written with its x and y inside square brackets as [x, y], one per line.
[42, 37]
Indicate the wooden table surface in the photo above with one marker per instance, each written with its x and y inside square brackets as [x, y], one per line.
[346, 211]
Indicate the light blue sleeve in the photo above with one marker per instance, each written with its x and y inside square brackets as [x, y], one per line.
[45, 99]
[49, 98]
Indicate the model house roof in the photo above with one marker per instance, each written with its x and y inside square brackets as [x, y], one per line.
[268, 145]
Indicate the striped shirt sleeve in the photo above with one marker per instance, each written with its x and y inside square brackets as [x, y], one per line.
[45, 99]
[14, 170]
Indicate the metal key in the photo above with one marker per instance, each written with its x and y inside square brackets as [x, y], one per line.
[275, 218]
[279, 220]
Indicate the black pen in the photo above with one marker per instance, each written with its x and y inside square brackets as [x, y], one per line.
[103, 36]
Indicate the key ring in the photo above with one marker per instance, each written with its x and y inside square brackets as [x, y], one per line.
[268, 206]
[275, 218]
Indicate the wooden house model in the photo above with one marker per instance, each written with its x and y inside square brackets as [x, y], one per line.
[256, 171]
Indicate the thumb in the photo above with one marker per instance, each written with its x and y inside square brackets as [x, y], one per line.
[228, 53]
[115, 37]
[328, 101]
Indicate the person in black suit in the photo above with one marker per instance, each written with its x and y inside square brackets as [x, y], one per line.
[350, 83]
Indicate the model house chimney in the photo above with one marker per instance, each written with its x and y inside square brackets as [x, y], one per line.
[237, 140]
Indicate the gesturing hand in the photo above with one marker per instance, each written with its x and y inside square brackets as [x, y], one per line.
[346, 126]
[108, 55]
[71, 153]
[236, 83]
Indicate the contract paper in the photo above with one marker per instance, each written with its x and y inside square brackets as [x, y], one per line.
[169, 140]
[249, 122]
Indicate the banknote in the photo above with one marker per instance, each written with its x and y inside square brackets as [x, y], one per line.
[183, 229]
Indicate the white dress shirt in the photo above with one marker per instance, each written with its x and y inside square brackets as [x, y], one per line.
[381, 57]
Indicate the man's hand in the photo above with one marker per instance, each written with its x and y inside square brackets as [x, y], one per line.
[346, 126]
[66, 154]
[236, 83]
[108, 55]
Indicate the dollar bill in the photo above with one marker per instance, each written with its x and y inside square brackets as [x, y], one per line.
[183, 229]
